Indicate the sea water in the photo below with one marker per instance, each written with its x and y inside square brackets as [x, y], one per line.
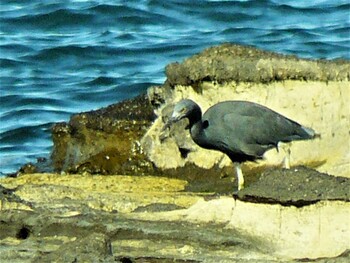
[63, 57]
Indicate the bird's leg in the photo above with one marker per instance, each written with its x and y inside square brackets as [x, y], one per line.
[239, 175]
[286, 159]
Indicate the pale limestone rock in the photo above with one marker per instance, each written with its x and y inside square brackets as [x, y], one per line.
[322, 106]
[217, 210]
[106, 193]
[314, 231]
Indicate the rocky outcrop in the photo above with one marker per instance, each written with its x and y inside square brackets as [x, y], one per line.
[84, 218]
[228, 62]
[126, 138]
[105, 141]
[312, 92]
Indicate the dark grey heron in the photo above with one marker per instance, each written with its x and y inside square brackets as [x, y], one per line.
[242, 130]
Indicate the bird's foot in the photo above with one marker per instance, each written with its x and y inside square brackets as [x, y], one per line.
[240, 187]
[286, 162]
[286, 159]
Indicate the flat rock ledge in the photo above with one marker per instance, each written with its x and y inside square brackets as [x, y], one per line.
[95, 218]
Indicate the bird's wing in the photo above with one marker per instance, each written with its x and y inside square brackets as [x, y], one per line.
[255, 133]
[249, 128]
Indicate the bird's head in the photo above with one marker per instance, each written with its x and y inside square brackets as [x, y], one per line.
[184, 109]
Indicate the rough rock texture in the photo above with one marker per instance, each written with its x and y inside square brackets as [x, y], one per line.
[229, 62]
[104, 141]
[84, 218]
[298, 186]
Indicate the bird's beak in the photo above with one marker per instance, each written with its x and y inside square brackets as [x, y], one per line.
[170, 122]
[175, 117]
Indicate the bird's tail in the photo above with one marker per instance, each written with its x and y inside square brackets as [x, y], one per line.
[309, 133]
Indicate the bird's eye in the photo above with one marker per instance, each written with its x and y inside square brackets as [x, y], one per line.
[205, 124]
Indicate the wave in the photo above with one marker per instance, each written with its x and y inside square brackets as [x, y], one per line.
[23, 134]
[61, 17]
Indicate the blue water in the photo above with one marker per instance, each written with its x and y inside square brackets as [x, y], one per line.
[62, 57]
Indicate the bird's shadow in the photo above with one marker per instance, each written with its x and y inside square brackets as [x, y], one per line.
[221, 181]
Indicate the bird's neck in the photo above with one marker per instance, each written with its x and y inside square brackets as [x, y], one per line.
[195, 117]
[196, 127]
[198, 134]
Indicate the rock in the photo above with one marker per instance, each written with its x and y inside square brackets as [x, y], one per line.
[86, 218]
[307, 232]
[105, 141]
[126, 138]
[229, 62]
[298, 186]
[93, 248]
[312, 92]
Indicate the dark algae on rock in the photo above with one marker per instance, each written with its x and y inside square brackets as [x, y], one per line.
[229, 62]
[298, 186]
[104, 141]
